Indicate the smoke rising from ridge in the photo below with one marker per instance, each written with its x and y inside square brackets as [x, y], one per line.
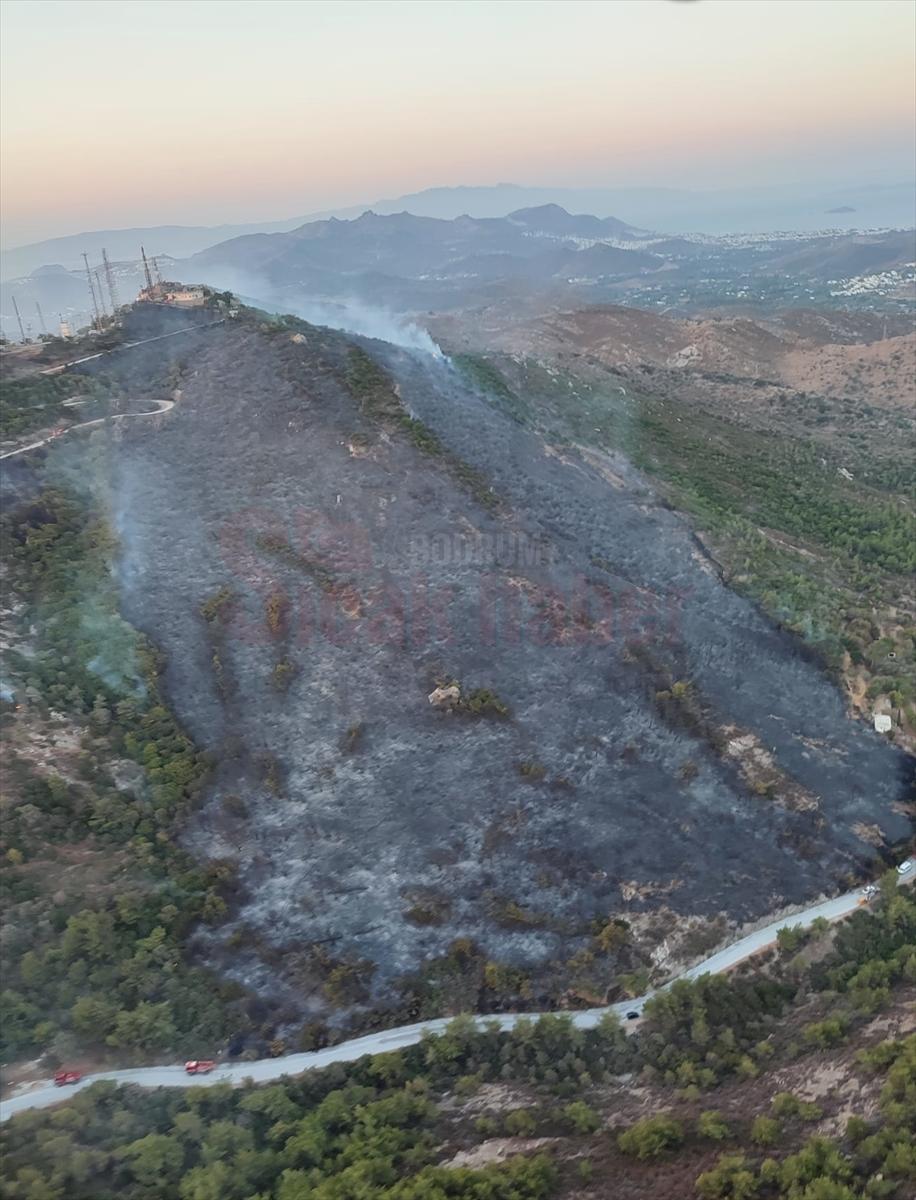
[349, 316]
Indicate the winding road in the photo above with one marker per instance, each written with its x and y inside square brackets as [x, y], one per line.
[163, 407]
[45, 1093]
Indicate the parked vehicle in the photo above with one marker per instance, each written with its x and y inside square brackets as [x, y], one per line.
[905, 867]
[62, 1078]
[199, 1066]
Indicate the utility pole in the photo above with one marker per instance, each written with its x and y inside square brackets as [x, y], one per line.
[149, 278]
[95, 307]
[19, 319]
[112, 290]
[41, 319]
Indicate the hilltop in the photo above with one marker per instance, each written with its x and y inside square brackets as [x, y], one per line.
[321, 535]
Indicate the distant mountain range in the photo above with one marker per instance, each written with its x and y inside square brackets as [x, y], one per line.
[405, 244]
[670, 210]
[533, 260]
[177, 241]
[404, 262]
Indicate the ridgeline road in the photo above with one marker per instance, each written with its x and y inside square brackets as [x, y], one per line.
[264, 1070]
[61, 367]
[127, 346]
[163, 407]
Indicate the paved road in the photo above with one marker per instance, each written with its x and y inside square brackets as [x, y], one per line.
[163, 406]
[127, 346]
[90, 358]
[45, 1094]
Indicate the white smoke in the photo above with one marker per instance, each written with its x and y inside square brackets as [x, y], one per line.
[349, 316]
[352, 316]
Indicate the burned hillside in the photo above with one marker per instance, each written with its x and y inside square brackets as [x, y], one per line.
[321, 536]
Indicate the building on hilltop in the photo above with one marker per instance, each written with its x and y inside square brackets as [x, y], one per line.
[188, 297]
[193, 296]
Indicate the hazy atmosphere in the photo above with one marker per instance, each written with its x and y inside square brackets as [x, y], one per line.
[220, 111]
[458, 634]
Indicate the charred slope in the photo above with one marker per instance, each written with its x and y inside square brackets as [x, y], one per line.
[314, 562]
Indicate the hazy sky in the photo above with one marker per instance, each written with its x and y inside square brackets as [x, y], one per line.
[129, 112]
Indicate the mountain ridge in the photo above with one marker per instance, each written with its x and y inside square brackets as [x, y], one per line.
[671, 210]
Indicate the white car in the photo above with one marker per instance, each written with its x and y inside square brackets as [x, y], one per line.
[905, 867]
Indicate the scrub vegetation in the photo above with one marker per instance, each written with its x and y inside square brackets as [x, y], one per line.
[827, 552]
[35, 402]
[98, 898]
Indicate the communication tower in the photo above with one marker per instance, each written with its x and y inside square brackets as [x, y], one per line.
[19, 319]
[95, 307]
[149, 278]
[112, 288]
[98, 284]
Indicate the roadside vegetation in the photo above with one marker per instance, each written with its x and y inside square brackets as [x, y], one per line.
[709, 1060]
[35, 402]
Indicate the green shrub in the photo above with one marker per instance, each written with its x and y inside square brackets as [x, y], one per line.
[651, 1137]
[712, 1124]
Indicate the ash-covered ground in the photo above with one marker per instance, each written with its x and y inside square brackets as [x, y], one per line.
[313, 570]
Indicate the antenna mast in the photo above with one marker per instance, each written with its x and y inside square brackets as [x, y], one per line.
[95, 307]
[112, 289]
[41, 319]
[19, 319]
[149, 278]
[98, 284]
